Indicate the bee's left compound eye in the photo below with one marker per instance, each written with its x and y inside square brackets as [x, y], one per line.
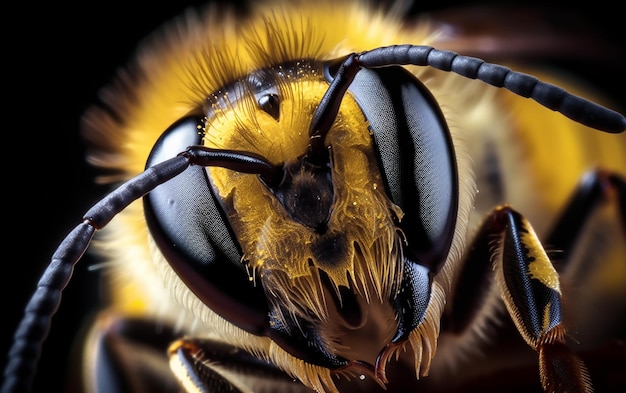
[188, 224]
[416, 157]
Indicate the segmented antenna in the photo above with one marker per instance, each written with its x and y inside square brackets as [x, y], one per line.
[326, 112]
[35, 325]
[553, 97]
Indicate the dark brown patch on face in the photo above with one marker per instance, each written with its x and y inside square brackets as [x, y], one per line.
[330, 250]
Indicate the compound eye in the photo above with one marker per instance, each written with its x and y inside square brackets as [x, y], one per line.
[193, 234]
[416, 156]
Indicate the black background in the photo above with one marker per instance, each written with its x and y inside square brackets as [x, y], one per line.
[56, 57]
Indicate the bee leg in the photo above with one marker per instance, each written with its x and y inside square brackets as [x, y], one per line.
[595, 188]
[472, 289]
[530, 288]
[590, 238]
[529, 285]
[205, 365]
[127, 355]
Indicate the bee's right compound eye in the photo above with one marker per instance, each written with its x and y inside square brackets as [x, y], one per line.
[191, 231]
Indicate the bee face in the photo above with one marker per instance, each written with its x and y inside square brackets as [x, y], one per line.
[315, 249]
[247, 120]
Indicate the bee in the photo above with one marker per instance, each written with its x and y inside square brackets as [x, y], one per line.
[347, 224]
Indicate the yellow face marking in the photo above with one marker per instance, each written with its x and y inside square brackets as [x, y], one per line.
[285, 254]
